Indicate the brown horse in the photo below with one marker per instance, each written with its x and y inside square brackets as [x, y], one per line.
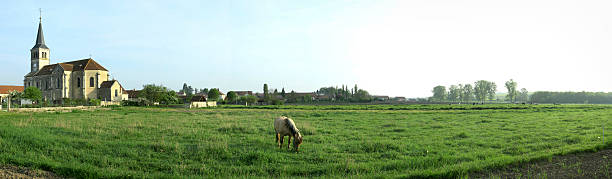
[284, 126]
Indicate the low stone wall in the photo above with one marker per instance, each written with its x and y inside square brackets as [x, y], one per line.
[53, 109]
[109, 103]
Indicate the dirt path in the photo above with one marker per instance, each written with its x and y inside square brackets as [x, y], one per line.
[22, 172]
[581, 165]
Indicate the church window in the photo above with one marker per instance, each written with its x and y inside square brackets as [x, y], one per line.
[58, 83]
[79, 82]
[44, 54]
[91, 82]
[116, 93]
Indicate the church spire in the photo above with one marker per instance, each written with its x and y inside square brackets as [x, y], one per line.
[40, 38]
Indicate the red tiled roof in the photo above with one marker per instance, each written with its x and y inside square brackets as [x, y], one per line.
[6, 89]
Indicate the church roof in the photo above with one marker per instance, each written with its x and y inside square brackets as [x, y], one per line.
[84, 64]
[107, 84]
[78, 65]
[40, 38]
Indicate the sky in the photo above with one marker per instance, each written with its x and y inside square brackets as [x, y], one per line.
[395, 48]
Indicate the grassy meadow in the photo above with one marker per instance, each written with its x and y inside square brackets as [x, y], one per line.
[339, 141]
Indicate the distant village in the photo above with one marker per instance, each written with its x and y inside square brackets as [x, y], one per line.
[87, 82]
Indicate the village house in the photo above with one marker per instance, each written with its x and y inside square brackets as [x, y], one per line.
[200, 101]
[5, 91]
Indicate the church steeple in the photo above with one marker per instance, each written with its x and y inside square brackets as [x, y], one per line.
[40, 52]
[40, 38]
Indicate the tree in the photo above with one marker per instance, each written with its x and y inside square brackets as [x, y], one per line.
[439, 93]
[512, 93]
[32, 93]
[283, 94]
[157, 94]
[492, 90]
[362, 96]
[484, 89]
[265, 91]
[454, 93]
[231, 97]
[523, 95]
[214, 94]
[467, 93]
[275, 91]
[249, 99]
[204, 91]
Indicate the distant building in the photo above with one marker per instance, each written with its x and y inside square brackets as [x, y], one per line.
[201, 101]
[380, 98]
[80, 79]
[243, 93]
[399, 99]
[5, 90]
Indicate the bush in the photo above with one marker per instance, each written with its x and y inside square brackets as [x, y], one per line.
[94, 102]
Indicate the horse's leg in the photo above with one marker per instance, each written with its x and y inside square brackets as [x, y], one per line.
[281, 141]
[277, 136]
[289, 141]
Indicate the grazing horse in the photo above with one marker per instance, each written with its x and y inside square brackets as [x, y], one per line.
[284, 126]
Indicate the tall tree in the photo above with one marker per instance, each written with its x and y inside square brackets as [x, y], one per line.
[454, 93]
[468, 93]
[231, 97]
[491, 90]
[523, 95]
[265, 91]
[482, 90]
[283, 94]
[512, 92]
[439, 93]
[214, 94]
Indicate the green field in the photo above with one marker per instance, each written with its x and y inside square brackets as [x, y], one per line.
[339, 141]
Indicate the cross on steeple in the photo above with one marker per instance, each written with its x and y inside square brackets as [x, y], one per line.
[40, 13]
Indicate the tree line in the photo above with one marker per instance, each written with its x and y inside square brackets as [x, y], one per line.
[571, 97]
[481, 91]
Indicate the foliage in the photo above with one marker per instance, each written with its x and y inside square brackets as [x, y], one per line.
[157, 94]
[32, 93]
[467, 94]
[231, 97]
[249, 99]
[265, 91]
[94, 102]
[454, 93]
[439, 93]
[214, 94]
[512, 92]
[484, 90]
[362, 96]
[572, 97]
[349, 141]
[523, 95]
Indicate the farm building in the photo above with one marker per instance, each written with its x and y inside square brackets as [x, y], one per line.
[200, 102]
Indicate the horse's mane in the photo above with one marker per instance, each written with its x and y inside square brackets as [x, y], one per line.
[289, 123]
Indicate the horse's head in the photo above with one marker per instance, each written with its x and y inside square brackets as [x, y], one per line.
[297, 141]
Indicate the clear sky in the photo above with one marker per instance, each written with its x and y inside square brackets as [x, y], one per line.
[397, 48]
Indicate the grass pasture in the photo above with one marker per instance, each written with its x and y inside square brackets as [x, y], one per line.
[339, 141]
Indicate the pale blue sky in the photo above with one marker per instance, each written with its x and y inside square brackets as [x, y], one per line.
[397, 48]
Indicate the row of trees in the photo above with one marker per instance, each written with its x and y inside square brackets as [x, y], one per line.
[481, 91]
[345, 94]
[572, 97]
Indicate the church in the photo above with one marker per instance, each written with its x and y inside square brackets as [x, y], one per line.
[80, 79]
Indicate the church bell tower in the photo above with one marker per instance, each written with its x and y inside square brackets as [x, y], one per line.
[39, 54]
